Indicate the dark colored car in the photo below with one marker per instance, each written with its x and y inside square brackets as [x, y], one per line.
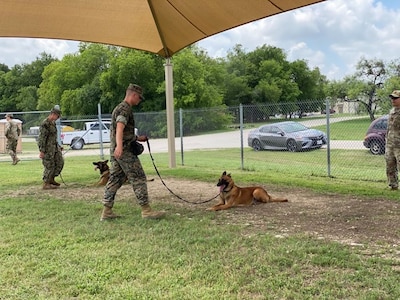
[331, 111]
[376, 134]
[288, 135]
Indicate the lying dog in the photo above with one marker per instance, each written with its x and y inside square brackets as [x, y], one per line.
[104, 169]
[231, 195]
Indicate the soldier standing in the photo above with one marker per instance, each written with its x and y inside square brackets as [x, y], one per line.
[50, 150]
[12, 132]
[124, 163]
[392, 149]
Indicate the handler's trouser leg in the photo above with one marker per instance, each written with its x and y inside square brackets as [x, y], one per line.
[392, 157]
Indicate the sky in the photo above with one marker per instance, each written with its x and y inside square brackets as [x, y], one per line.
[332, 36]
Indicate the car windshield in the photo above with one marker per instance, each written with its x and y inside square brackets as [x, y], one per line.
[293, 127]
[96, 126]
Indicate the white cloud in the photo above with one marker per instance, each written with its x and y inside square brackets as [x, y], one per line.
[332, 35]
[25, 50]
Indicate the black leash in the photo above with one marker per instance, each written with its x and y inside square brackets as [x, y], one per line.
[162, 181]
[62, 179]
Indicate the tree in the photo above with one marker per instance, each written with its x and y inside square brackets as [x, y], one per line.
[391, 84]
[275, 85]
[73, 82]
[266, 76]
[194, 86]
[26, 99]
[338, 89]
[23, 81]
[4, 68]
[259, 60]
[236, 80]
[133, 66]
[368, 81]
[237, 90]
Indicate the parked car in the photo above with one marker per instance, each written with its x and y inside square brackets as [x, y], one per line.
[292, 136]
[93, 133]
[376, 135]
[331, 111]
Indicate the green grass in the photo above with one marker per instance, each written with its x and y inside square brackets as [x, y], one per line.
[58, 249]
[29, 147]
[51, 248]
[351, 130]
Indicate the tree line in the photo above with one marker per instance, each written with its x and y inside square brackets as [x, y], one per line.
[100, 74]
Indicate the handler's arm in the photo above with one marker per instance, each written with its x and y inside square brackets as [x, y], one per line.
[119, 140]
[42, 140]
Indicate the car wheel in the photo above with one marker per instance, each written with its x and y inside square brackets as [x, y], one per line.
[291, 145]
[376, 147]
[77, 144]
[256, 145]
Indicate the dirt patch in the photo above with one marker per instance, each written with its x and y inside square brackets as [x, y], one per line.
[352, 220]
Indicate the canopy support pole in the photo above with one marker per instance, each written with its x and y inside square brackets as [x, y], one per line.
[169, 93]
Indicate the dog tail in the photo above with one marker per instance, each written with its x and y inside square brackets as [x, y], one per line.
[272, 199]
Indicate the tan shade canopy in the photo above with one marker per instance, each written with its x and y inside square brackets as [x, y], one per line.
[158, 26]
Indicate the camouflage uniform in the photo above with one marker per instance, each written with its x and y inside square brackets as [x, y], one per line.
[392, 150]
[12, 133]
[128, 165]
[53, 161]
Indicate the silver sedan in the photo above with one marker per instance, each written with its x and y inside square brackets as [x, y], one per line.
[291, 136]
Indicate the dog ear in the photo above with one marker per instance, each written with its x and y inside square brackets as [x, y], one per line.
[229, 175]
[106, 161]
[95, 163]
[224, 173]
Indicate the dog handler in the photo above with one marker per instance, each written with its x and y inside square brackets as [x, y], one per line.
[12, 133]
[124, 163]
[392, 148]
[50, 150]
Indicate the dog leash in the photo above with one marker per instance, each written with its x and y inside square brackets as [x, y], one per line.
[162, 181]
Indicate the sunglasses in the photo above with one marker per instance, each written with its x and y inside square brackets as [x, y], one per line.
[395, 98]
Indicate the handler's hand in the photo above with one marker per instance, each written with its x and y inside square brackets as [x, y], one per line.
[41, 154]
[142, 138]
[118, 151]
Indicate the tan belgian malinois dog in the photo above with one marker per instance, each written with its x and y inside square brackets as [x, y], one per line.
[104, 170]
[231, 195]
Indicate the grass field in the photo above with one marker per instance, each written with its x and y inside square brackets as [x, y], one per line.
[348, 130]
[54, 247]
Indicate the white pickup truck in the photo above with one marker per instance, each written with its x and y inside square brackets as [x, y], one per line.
[90, 135]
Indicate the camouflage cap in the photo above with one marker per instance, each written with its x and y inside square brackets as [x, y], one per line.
[9, 115]
[395, 94]
[136, 88]
[56, 111]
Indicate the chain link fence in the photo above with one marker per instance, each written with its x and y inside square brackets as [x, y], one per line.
[344, 124]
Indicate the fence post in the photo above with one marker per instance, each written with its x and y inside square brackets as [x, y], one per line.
[181, 132]
[328, 136]
[58, 125]
[169, 91]
[100, 131]
[241, 135]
